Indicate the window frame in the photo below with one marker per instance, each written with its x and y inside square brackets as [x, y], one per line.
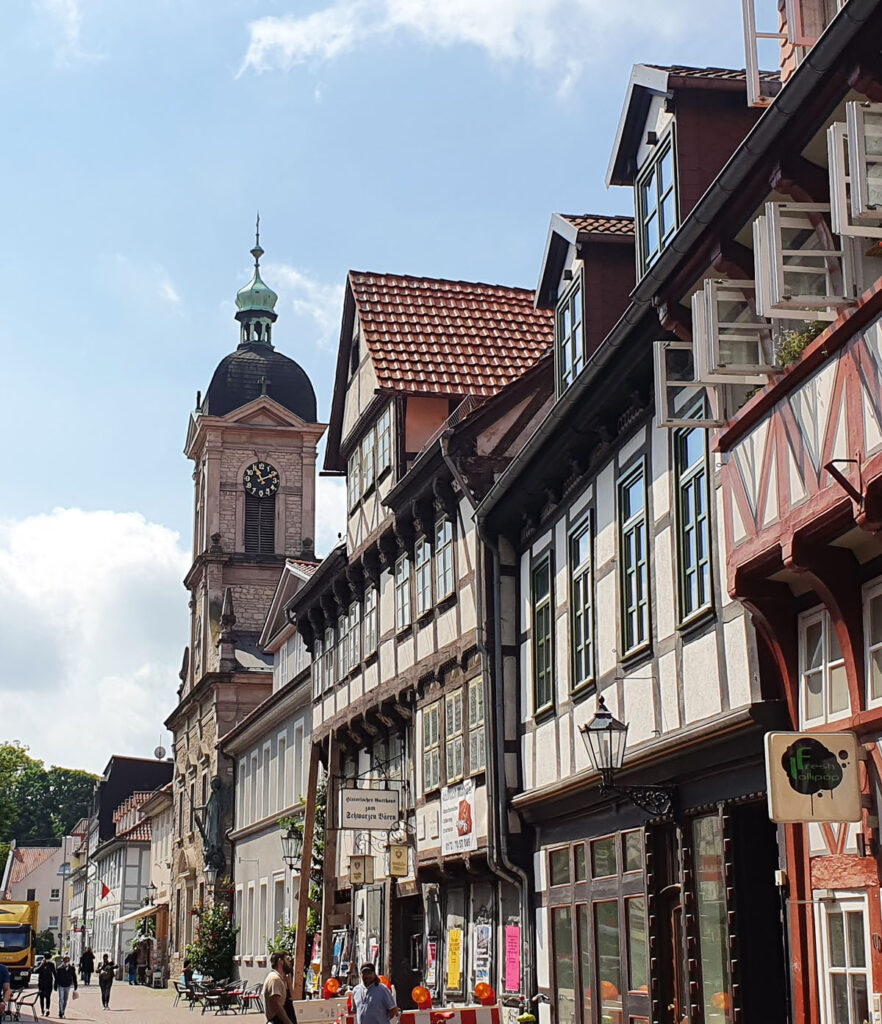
[665, 145]
[872, 591]
[819, 614]
[572, 300]
[684, 478]
[454, 738]
[367, 448]
[403, 599]
[329, 644]
[371, 620]
[445, 558]
[353, 478]
[582, 579]
[354, 635]
[476, 728]
[384, 441]
[422, 572]
[626, 527]
[431, 750]
[843, 903]
[542, 606]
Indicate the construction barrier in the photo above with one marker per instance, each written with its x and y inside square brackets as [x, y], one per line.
[320, 1011]
[444, 1015]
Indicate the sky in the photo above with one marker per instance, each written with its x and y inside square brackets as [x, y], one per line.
[139, 139]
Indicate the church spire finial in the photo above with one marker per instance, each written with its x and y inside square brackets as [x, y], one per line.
[257, 252]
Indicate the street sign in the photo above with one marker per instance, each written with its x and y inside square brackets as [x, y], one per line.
[813, 776]
[369, 808]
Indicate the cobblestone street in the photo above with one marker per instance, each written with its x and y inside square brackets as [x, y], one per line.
[137, 1004]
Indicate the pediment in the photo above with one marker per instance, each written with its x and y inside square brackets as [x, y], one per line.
[263, 411]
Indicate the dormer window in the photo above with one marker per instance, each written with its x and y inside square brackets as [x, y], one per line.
[656, 205]
[569, 337]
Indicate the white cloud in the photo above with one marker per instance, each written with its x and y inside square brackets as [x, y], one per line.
[557, 37]
[167, 290]
[147, 281]
[330, 513]
[64, 21]
[317, 300]
[94, 622]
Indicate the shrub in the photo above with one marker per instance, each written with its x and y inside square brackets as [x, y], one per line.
[214, 945]
[790, 344]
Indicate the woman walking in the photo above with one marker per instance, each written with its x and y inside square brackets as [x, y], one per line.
[106, 973]
[45, 984]
[65, 980]
[87, 964]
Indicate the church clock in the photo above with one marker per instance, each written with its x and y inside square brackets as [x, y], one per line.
[261, 480]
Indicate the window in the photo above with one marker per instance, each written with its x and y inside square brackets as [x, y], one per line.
[431, 746]
[384, 440]
[317, 668]
[354, 654]
[296, 656]
[543, 695]
[368, 468]
[423, 575]
[564, 964]
[873, 640]
[32, 895]
[633, 567]
[844, 959]
[353, 478]
[453, 735]
[443, 558]
[328, 659]
[580, 607]
[402, 592]
[371, 620]
[342, 647]
[569, 334]
[609, 957]
[282, 800]
[279, 909]
[477, 752]
[55, 894]
[53, 922]
[711, 910]
[693, 527]
[260, 524]
[265, 780]
[823, 682]
[656, 204]
[254, 796]
[240, 795]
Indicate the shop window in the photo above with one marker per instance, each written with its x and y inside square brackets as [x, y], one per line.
[633, 563]
[432, 746]
[443, 558]
[371, 620]
[823, 681]
[402, 592]
[543, 694]
[710, 899]
[581, 593]
[603, 857]
[632, 851]
[453, 736]
[844, 960]
[873, 640]
[609, 957]
[477, 746]
[569, 337]
[638, 961]
[564, 966]
[693, 524]
[423, 575]
[559, 867]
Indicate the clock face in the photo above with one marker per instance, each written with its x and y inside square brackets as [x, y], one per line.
[261, 480]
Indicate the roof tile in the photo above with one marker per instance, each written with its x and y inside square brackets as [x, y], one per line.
[601, 224]
[713, 74]
[26, 859]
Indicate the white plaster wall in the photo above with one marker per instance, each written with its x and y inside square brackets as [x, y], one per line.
[701, 678]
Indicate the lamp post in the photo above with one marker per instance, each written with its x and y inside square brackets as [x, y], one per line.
[150, 893]
[605, 738]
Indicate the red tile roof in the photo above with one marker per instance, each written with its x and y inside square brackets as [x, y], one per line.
[139, 833]
[600, 224]
[26, 859]
[448, 337]
[713, 74]
[305, 567]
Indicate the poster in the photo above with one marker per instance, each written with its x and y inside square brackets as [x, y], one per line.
[512, 958]
[482, 953]
[431, 963]
[454, 959]
[458, 825]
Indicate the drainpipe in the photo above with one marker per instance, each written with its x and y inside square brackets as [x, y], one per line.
[494, 731]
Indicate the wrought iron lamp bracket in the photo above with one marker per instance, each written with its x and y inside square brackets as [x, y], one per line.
[655, 800]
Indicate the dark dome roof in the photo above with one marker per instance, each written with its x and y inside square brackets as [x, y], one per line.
[236, 382]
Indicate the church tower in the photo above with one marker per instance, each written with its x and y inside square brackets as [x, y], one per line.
[252, 440]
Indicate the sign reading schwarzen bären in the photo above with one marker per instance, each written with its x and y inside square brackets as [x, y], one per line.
[813, 776]
[369, 808]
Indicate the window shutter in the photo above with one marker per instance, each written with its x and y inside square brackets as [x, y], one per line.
[739, 340]
[260, 525]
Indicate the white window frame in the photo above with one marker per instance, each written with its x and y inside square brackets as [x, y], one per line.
[543, 653]
[819, 614]
[856, 127]
[581, 607]
[431, 733]
[318, 687]
[266, 780]
[255, 783]
[633, 525]
[242, 771]
[872, 591]
[354, 635]
[403, 611]
[368, 461]
[298, 756]
[384, 440]
[843, 903]
[353, 477]
[343, 626]
[329, 645]
[649, 171]
[445, 560]
[422, 568]
[755, 95]
[54, 895]
[282, 770]
[570, 342]
[371, 619]
[697, 476]
[756, 330]
[477, 738]
[675, 391]
[454, 724]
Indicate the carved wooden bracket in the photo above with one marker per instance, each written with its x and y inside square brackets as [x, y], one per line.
[675, 318]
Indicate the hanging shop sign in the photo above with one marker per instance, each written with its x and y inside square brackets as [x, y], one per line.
[398, 860]
[454, 959]
[361, 870]
[813, 776]
[369, 808]
[458, 831]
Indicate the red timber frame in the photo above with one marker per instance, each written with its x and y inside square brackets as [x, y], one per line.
[783, 511]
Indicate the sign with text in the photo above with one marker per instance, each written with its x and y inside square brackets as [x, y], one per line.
[398, 860]
[458, 827]
[512, 958]
[454, 959]
[369, 808]
[813, 776]
[361, 870]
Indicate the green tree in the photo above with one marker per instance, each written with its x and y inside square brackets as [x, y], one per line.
[45, 942]
[214, 945]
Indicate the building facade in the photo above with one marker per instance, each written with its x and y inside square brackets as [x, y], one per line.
[34, 873]
[158, 809]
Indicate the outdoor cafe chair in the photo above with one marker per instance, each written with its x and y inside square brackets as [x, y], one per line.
[252, 996]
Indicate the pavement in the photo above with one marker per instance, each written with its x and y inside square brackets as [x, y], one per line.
[131, 1004]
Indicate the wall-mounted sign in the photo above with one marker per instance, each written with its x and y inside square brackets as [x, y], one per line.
[369, 808]
[458, 826]
[813, 776]
[398, 860]
[431, 962]
[454, 959]
[512, 958]
[361, 870]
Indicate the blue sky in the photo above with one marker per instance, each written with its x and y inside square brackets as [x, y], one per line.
[139, 138]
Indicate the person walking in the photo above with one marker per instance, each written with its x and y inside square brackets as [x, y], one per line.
[65, 979]
[131, 965]
[106, 973]
[87, 965]
[373, 1002]
[278, 1003]
[45, 984]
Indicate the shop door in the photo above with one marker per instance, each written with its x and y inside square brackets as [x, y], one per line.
[407, 949]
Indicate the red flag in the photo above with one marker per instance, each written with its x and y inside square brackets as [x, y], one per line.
[105, 892]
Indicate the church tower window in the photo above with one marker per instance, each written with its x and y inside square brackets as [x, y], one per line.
[260, 525]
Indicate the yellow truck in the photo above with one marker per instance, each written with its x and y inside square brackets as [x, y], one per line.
[18, 938]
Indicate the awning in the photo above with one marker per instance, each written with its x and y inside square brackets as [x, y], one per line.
[147, 911]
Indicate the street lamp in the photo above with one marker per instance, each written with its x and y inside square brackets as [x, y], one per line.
[150, 892]
[605, 738]
[292, 848]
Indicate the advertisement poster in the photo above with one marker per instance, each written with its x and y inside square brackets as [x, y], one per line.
[431, 963]
[458, 825]
[482, 953]
[512, 958]
[454, 959]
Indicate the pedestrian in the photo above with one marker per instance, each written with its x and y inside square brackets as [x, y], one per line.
[187, 974]
[131, 964]
[373, 1002]
[45, 984]
[277, 1000]
[106, 973]
[87, 965]
[65, 979]
[5, 988]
